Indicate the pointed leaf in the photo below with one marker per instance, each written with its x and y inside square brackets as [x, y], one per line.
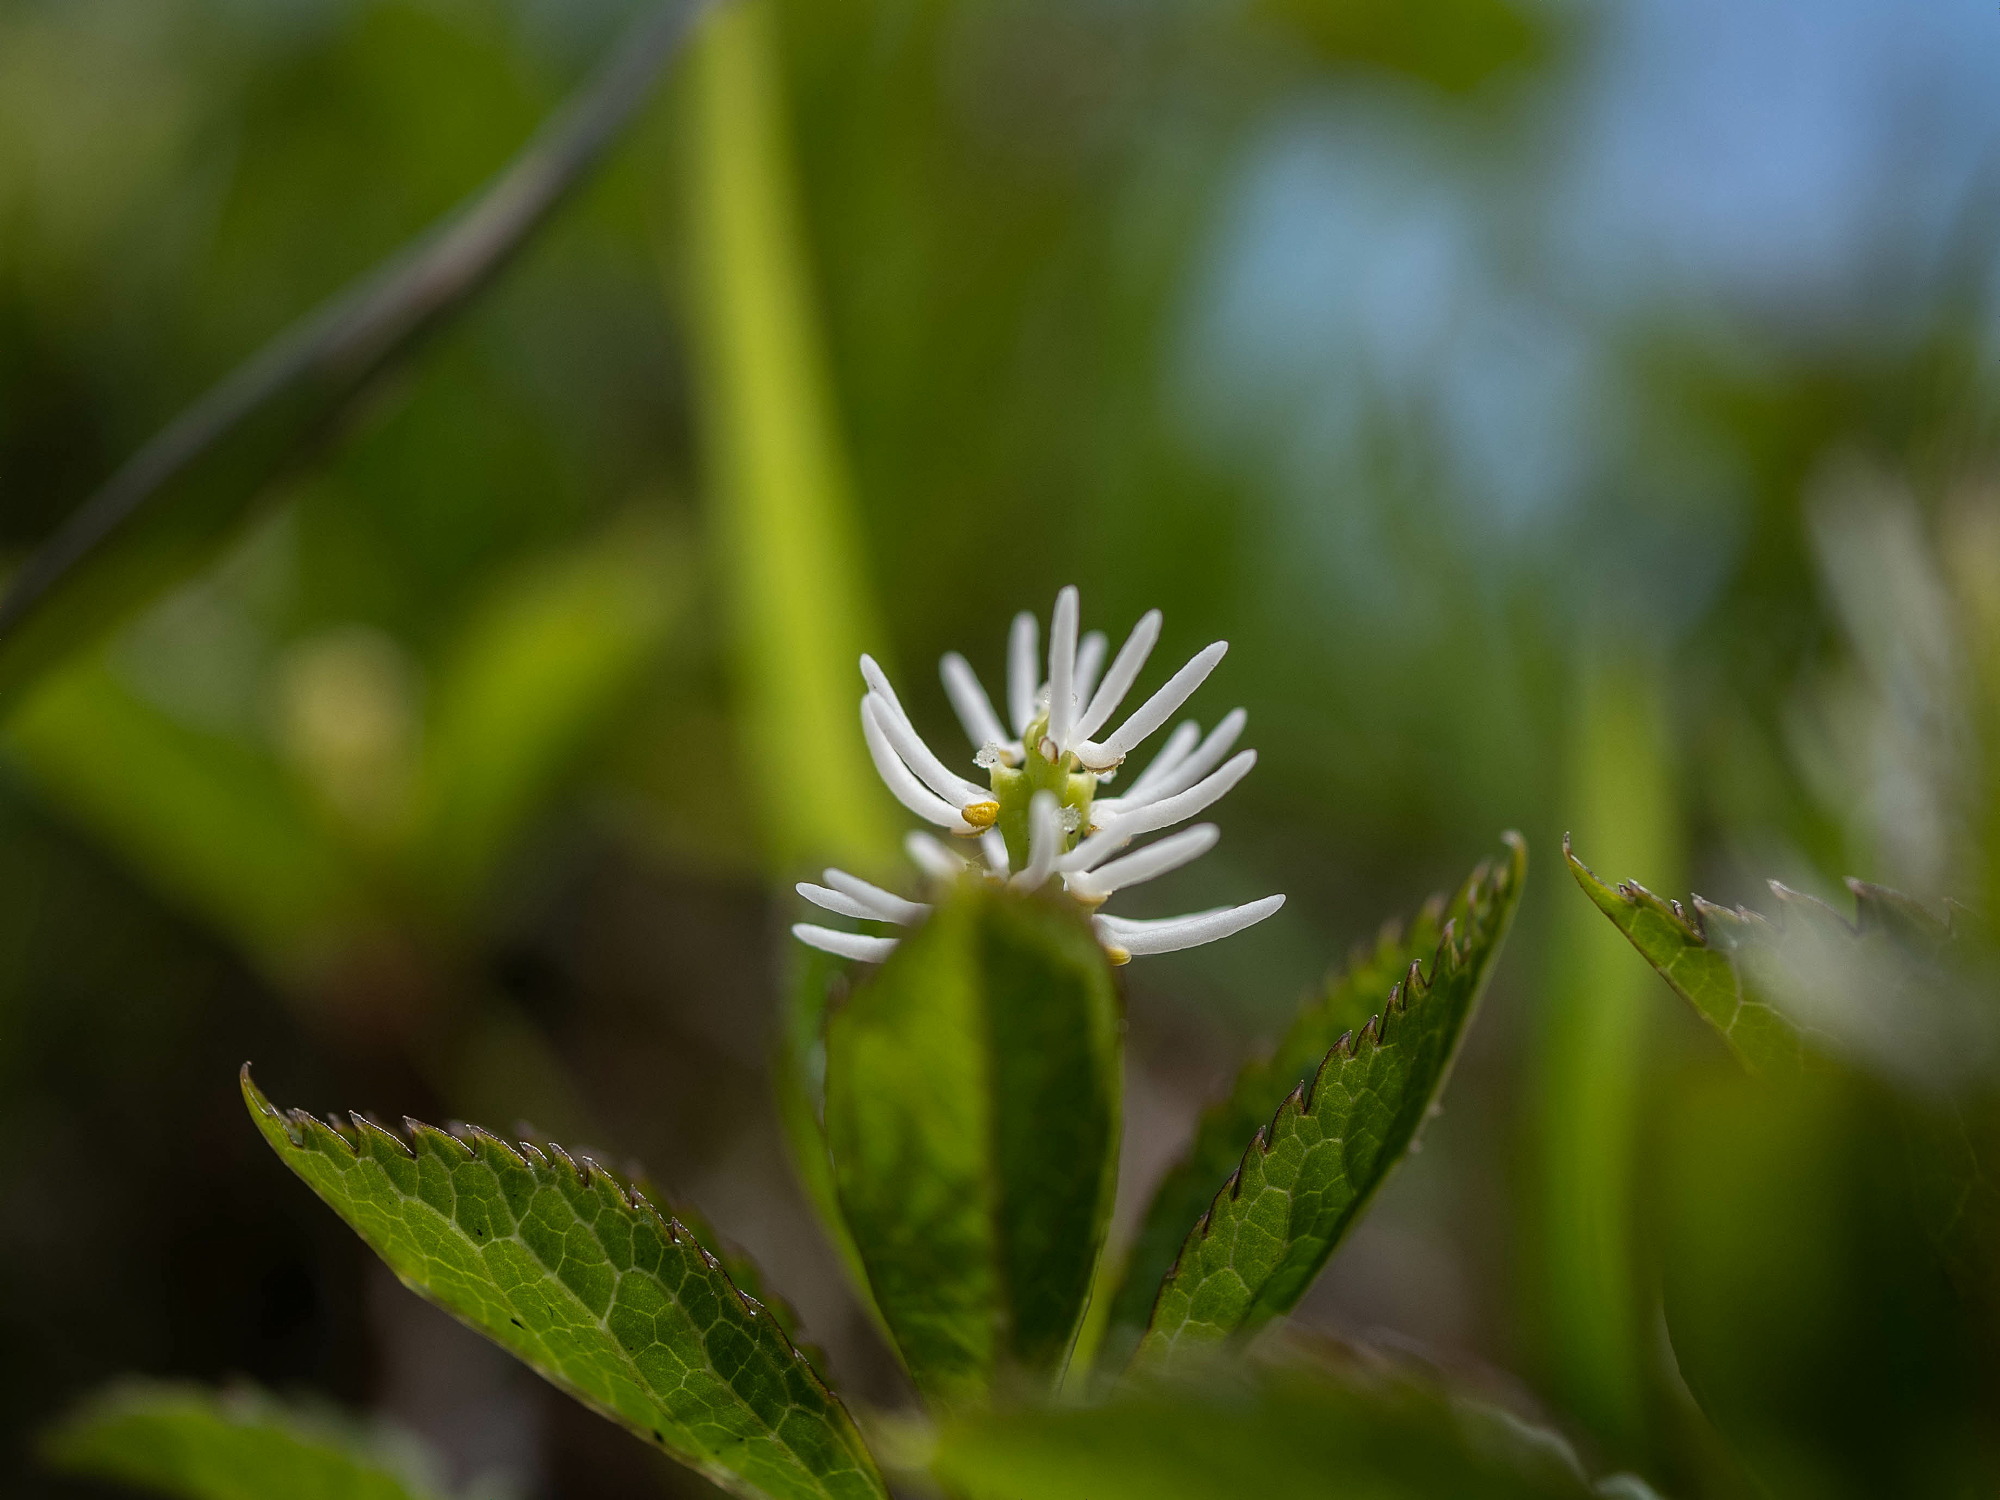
[972, 1108]
[1894, 991]
[1308, 1175]
[565, 1266]
[1184, 1194]
[202, 1444]
[1697, 951]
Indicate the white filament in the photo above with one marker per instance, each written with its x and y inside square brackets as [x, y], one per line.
[1143, 864]
[1179, 778]
[1169, 934]
[833, 901]
[870, 950]
[1156, 710]
[910, 745]
[969, 701]
[1124, 672]
[993, 845]
[900, 780]
[1078, 696]
[1184, 738]
[1044, 842]
[1062, 670]
[932, 857]
[1164, 813]
[884, 906]
[1089, 662]
[1024, 671]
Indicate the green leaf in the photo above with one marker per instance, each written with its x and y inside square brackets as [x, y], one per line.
[176, 501]
[1309, 1173]
[1287, 1436]
[1903, 997]
[571, 1270]
[201, 1444]
[215, 825]
[972, 1108]
[1698, 952]
[1351, 996]
[533, 675]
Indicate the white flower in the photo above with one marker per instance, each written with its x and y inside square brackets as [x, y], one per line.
[1039, 818]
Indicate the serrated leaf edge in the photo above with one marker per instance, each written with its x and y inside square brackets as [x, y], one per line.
[1877, 909]
[1490, 880]
[1879, 912]
[583, 1169]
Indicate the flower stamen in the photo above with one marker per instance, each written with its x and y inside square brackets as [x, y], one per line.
[1040, 819]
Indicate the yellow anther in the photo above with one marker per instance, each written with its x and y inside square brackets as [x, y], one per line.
[1118, 956]
[981, 814]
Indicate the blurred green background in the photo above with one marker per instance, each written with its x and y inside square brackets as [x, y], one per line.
[1577, 416]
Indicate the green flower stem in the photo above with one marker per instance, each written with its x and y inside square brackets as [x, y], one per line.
[1014, 787]
[1596, 1306]
[800, 607]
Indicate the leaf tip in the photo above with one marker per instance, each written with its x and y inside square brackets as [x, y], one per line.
[252, 1095]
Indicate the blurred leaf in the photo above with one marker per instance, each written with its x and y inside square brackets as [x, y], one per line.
[531, 677]
[1455, 44]
[972, 1107]
[1695, 952]
[1291, 1436]
[1350, 998]
[569, 1269]
[202, 1444]
[175, 502]
[798, 591]
[1899, 965]
[212, 823]
[1307, 1176]
[1809, 1315]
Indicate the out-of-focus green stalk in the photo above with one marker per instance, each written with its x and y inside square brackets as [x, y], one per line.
[1598, 1311]
[783, 515]
[176, 501]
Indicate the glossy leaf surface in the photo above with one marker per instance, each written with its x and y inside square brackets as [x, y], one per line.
[1309, 1173]
[585, 1280]
[972, 1110]
[1184, 1194]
